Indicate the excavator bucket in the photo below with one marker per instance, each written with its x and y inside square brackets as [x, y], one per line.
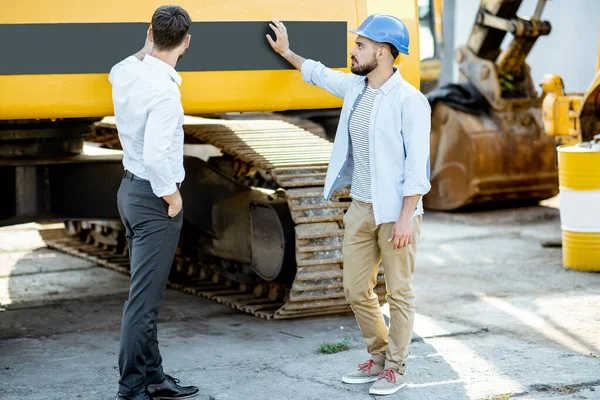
[500, 152]
[478, 159]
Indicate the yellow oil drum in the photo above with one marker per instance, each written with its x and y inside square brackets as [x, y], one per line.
[579, 179]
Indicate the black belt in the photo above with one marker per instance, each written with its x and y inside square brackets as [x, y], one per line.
[131, 176]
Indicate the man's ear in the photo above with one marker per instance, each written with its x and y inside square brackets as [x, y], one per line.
[188, 38]
[380, 51]
[150, 35]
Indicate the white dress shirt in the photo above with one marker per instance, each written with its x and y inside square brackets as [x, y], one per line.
[149, 118]
[399, 131]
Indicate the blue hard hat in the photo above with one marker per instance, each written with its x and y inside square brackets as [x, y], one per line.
[384, 28]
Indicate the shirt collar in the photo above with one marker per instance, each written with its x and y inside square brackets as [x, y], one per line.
[390, 83]
[155, 62]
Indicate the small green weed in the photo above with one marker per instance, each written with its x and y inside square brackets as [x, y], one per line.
[332, 348]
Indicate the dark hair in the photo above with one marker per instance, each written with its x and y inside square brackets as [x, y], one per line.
[393, 50]
[170, 25]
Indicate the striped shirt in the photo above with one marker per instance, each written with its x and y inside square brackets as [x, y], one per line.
[359, 135]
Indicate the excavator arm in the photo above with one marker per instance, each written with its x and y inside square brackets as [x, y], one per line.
[498, 73]
[496, 152]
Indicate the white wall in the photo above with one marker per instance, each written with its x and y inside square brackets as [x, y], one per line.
[570, 50]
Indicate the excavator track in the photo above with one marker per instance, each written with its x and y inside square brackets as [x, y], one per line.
[296, 160]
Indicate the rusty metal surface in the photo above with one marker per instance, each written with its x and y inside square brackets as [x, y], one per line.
[266, 144]
[589, 113]
[497, 158]
[318, 286]
[303, 123]
[241, 297]
[290, 177]
[294, 157]
[307, 205]
[483, 74]
[105, 132]
[297, 160]
[316, 290]
[503, 154]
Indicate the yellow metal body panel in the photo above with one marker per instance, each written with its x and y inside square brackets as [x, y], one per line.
[560, 115]
[89, 95]
[438, 9]
[581, 250]
[578, 168]
[571, 117]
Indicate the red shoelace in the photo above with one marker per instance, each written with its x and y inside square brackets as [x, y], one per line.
[388, 374]
[366, 367]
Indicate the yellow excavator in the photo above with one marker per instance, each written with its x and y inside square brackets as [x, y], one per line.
[258, 235]
[487, 142]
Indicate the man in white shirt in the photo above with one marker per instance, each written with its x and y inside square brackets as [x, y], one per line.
[381, 151]
[149, 118]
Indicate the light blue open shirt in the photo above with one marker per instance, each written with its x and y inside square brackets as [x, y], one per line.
[398, 139]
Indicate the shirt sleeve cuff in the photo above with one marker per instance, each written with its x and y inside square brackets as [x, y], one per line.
[165, 190]
[307, 69]
[416, 188]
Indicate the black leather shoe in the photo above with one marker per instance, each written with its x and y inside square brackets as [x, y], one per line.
[170, 390]
[142, 396]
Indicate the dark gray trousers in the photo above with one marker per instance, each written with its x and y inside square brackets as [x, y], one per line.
[152, 237]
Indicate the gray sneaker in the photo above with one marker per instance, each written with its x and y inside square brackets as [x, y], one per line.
[388, 382]
[367, 372]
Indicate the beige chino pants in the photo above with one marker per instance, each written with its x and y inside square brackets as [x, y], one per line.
[365, 246]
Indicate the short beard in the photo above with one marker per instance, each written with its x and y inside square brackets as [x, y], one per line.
[364, 70]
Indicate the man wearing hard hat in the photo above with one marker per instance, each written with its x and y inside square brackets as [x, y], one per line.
[381, 151]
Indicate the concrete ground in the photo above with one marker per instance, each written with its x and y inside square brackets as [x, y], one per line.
[498, 318]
